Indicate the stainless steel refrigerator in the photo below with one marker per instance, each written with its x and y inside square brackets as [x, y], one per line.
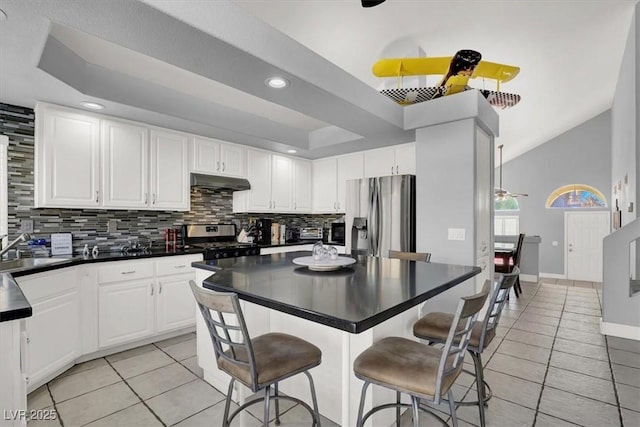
[381, 215]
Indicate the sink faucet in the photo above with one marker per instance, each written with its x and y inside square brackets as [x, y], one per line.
[21, 238]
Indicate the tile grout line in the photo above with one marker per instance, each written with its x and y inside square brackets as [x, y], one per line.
[136, 394]
[546, 372]
[615, 385]
[54, 405]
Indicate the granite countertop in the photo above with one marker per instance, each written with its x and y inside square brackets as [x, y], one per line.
[14, 305]
[352, 299]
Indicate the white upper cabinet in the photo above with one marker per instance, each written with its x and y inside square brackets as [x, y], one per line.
[281, 184]
[89, 161]
[125, 160]
[272, 184]
[259, 176]
[67, 158]
[325, 186]
[349, 167]
[397, 160]
[169, 171]
[329, 178]
[301, 185]
[215, 157]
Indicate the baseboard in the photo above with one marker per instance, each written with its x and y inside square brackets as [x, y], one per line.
[529, 278]
[619, 330]
[553, 275]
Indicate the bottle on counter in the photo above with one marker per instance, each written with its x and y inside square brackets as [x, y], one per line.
[275, 233]
[283, 234]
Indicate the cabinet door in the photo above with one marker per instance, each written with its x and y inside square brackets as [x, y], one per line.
[379, 162]
[125, 312]
[67, 159]
[259, 175]
[324, 186]
[405, 159]
[281, 184]
[170, 187]
[349, 167]
[301, 186]
[204, 155]
[53, 335]
[125, 160]
[232, 160]
[175, 305]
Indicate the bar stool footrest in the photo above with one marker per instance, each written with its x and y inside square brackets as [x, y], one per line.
[278, 397]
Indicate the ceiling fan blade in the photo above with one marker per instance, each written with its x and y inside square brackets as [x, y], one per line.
[518, 195]
[371, 3]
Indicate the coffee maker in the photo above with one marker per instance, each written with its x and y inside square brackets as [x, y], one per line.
[263, 231]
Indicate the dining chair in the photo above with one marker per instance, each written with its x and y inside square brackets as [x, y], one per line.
[257, 362]
[417, 369]
[411, 256]
[512, 263]
[434, 327]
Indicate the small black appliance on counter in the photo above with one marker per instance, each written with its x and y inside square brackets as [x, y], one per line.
[263, 231]
[338, 232]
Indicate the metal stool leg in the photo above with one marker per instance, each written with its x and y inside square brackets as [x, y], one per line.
[398, 409]
[225, 422]
[316, 422]
[479, 386]
[363, 394]
[452, 408]
[277, 402]
[265, 421]
[415, 405]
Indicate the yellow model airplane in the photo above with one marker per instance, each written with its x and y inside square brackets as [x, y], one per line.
[457, 70]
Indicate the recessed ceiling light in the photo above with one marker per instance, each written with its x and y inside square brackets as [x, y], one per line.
[291, 151]
[277, 82]
[93, 105]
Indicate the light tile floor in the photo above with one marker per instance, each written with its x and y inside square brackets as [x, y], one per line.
[548, 366]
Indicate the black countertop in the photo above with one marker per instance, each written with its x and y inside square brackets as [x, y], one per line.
[352, 299]
[14, 305]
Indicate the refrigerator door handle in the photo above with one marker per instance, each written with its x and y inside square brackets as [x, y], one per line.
[375, 220]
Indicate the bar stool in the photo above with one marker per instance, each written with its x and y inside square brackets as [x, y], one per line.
[411, 256]
[422, 371]
[255, 362]
[434, 327]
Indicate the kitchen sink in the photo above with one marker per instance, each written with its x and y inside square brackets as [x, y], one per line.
[21, 264]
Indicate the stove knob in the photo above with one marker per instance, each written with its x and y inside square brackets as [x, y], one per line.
[236, 253]
[217, 256]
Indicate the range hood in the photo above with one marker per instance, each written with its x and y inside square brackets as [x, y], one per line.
[219, 182]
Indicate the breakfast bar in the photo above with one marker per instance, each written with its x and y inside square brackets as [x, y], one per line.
[342, 312]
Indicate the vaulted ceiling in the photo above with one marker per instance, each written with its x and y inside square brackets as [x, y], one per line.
[200, 66]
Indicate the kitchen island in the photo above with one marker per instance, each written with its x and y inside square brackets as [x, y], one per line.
[342, 312]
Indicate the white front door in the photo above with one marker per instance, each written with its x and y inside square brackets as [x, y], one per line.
[584, 232]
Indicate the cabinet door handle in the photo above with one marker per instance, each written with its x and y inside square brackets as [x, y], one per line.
[160, 288]
[391, 170]
[152, 289]
[97, 196]
[295, 206]
[223, 167]
[179, 266]
[146, 198]
[153, 198]
[28, 340]
[128, 272]
[335, 205]
[396, 169]
[217, 166]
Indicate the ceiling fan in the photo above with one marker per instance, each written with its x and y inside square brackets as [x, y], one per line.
[499, 192]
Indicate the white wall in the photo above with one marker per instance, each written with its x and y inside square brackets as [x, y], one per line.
[624, 126]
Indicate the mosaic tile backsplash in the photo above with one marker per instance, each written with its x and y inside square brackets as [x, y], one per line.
[89, 226]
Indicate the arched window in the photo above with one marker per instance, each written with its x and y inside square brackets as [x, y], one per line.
[576, 196]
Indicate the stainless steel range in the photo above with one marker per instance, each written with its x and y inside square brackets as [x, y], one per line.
[217, 240]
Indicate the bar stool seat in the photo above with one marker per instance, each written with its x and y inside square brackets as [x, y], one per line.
[277, 355]
[412, 367]
[437, 325]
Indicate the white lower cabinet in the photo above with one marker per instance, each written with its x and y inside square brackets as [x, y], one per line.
[125, 311]
[139, 299]
[53, 331]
